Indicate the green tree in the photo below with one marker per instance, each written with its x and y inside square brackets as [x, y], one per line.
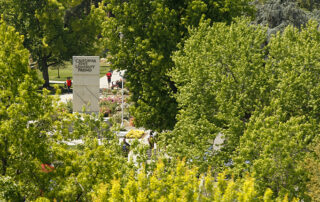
[51, 36]
[279, 138]
[263, 99]
[229, 83]
[141, 38]
[25, 119]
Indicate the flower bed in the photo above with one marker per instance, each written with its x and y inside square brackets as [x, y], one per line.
[109, 105]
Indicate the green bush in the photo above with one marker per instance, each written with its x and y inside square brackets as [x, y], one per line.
[69, 106]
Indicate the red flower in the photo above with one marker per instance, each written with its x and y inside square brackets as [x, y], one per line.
[46, 168]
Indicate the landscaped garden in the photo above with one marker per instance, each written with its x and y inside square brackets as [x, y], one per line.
[221, 101]
[111, 105]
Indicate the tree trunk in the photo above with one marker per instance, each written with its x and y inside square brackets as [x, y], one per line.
[45, 73]
[4, 165]
[58, 72]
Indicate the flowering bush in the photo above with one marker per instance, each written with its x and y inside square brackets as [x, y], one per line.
[105, 111]
[109, 105]
[110, 99]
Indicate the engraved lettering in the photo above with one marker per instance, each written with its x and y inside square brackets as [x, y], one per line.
[83, 65]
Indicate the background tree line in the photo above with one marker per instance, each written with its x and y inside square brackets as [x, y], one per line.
[54, 31]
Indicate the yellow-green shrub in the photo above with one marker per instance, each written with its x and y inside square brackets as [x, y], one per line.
[182, 184]
[135, 134]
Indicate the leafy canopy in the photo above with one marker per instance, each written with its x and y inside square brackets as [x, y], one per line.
[228, 83]
[262, 98]
[142, 36]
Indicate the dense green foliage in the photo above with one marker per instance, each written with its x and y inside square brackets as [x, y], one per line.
[262, 97]
[181, 184]
[309, 4]
[141, 38]
[272, 149]
[78, 169]
[50, 34]
[34, 132]
[284, 129]
[312, 165]
[226, 87]
[24, 117]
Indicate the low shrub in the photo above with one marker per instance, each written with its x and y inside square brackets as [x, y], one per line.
[135, 134]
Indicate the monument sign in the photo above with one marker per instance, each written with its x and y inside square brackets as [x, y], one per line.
[86, 83]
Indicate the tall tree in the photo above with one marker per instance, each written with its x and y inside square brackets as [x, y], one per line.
[223, 92]
[141, 38]
[263, 99]
[282, 136]
[50, 35]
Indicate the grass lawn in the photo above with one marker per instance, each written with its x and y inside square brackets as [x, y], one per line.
[66, 71]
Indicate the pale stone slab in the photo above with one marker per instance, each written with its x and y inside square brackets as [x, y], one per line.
[86, 65]
[86, 83]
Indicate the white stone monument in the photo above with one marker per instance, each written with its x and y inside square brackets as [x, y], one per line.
[86, 83]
